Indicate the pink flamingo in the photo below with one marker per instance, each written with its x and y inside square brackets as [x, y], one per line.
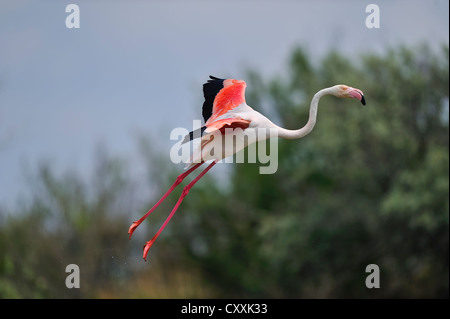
[224, 108]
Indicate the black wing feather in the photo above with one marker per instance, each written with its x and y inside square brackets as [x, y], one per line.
[210, 90]
[194, 134]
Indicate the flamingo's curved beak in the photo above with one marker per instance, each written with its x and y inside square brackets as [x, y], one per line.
[357, 94]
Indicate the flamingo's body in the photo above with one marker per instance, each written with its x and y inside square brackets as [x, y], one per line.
[224, 111]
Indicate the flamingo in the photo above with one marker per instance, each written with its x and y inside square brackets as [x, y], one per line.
[225, 109]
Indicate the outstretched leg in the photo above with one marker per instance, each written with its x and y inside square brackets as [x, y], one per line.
[175, 184]
[182, 196]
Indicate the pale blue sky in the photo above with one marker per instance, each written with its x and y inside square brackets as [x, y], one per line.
[136, 67]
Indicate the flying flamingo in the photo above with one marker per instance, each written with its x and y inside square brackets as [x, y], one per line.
[224, 108]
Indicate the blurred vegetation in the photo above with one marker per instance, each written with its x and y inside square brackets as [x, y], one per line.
[369, 185]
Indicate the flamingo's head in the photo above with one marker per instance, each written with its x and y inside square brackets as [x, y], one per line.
[345, 91]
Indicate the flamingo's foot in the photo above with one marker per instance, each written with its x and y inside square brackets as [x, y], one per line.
[132, 228]
[147, 248]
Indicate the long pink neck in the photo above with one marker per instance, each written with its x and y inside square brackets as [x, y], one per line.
[294, 134]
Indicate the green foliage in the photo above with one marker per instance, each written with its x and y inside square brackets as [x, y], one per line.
[64, 224]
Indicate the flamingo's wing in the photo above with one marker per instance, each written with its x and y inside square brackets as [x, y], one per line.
[223, 124]
[221, 96]
[210, 90]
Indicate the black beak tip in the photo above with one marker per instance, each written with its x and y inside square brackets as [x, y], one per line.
[363, 100]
